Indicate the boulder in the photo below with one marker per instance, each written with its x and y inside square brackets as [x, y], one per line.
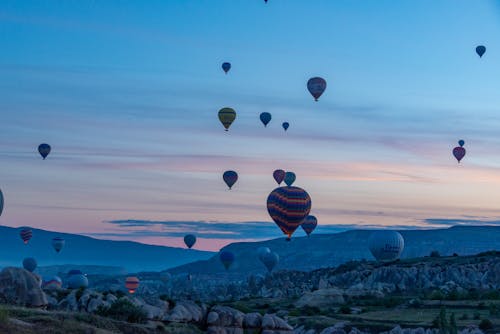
[22, 288]
[321, 298]
[186, 311]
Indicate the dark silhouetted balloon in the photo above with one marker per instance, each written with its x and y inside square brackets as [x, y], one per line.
[480, 50]
[265, 118]
[226, 67]
[58, 243]
[29, 264]
[270, 260]
[461, 142]
[1, 202]
[261, 251]
[189, 240]
[316, 87]
[77, 280]
[288, 207]
[230, 177]
[227, 117]
[227, 258]
[279, 175]
[131, 283]
[26, 234]
[289, 178]
[386, 245]
[44, 150]
[285, 125]
[459, 151]
[309, 224]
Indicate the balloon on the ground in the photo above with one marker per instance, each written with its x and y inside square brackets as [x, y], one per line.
[270, 260]
[386, 245]
[288, 207]
[230, 177]
[77, 280]
[227, 258]
[261, 251]
[26, 234]
[44, 150]
[265, 118]
[279, 175]
[459, 151]
[29, 264]
[52, 283]
[131, 283]
[285, 125]
[226, 67]
[480, 50]
[309, 224]
[58, 243]
[189, 240]
[227, 117]
[289, 178]
[316, 87]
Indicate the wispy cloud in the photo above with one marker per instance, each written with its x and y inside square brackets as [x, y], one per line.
[452, 222]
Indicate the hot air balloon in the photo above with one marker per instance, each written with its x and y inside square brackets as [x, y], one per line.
[261, 251]
[289, 178]
[316, 87]
[77, 280]
[29, 264]
[26, 234]
[44, 150]
[226, 67]
[230, 177]
[459, 151]
[227, 117]
[309, 224]
[285, 125]
[265, 118]
[189, 240]
[480, 50]
[227, 258]
[279, 175]
[52, 283]
[270, 260]
[131, 283]
[386, 245]
[1, 202]
[58, 243]
[288, 206]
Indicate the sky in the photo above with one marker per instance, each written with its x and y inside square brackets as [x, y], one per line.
[127, 95]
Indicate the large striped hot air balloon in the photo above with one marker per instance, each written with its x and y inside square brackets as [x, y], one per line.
[309, 224]
[131, 283]
[26, 234]
[316, 87]
[279, 175]
[227, 258]
[44, 150]
[230, 177]
[288, 206]
[189, 240]
[58, 243]
[386, 245]
[227, 117]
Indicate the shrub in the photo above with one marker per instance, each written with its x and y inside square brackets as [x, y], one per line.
[344, 309]
[485, 325]
[4, 315]
[435, 253]
[123, 310]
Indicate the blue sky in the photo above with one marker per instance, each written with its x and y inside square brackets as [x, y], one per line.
[127, 94]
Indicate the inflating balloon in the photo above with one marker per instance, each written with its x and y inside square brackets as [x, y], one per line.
[309, 224]
[26, 234]
[459, 151]
[285, 125]
[279, 175]
[480, 50]
[270, 260]
[289, 178]
[227, 259]
[386, 245]
[226, 67]
[288, 206]
[189, 240]
[265, 118]
[316, 87]
[58, 243]
[230, 177]
[29, 264]
[44, 150]
[227, 117]
[131, 283]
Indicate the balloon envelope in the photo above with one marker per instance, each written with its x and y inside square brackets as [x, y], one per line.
[44, 150]
[480, 50]
[131, 283]
[288, 206]
[289, 178]
[270, 260]
[265, 118]
[227, 258]
[386, 245]
[26, 234]
[29, 264]
[227, 117]
[58, 243]
[1, 202]
[226, 67]
[51, 283]
[77, 281]
[261, 251]
[279, 175]
[190, 240]
[459, 153]
[309, 224]
[461, 142]
[230, 177]
[285, 125]
[316, 87]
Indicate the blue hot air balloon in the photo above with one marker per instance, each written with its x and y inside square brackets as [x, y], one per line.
[316, 87]
[285, 125]
[44, 150]
[230, 177]
[270, 260]
[226, 67]
[227, 258]
[480, 50]
[386, 245]
[289, 178]
[58, 243]
[265, 118]
[309, 224]
[29, 264]
[77, 280]
[190, 240]
[261, 251]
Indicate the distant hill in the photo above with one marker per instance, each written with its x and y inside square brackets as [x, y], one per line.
[82, 250]
[329, 250]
